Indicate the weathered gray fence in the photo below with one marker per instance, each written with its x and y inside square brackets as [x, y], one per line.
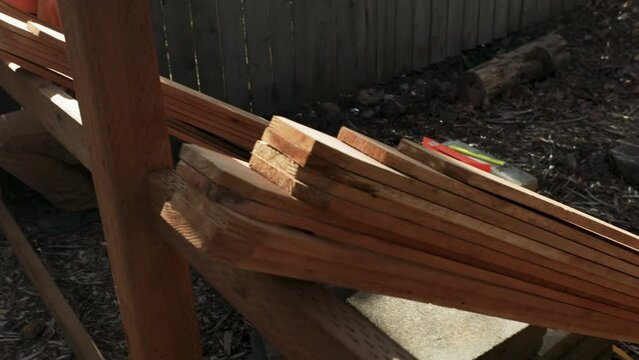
[271, 56]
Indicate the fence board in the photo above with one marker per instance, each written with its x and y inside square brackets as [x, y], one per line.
[386, 45]
[501, 19]
[371, 41]
[157, 17]
[438, 30]
[455, 27]
[486, 21]
[280, 14]
[326, 48]
[404, 36]
[346, 45]
[529, 13]
[258, 43]
[360, 48]
[556, 7]
[471, 24]
[421, 34]
[234, 54]
[514, 15]
[208, 47]
[272, 56]
[179, 35]
[543, 10]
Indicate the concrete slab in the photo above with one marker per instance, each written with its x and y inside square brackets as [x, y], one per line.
[428, 331]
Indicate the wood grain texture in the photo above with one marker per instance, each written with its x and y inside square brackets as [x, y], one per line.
[297, 317]
[125, 127]
[269, 209]
[227, 236]
[390, 202]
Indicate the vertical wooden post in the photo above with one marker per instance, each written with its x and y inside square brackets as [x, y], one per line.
[114, 64]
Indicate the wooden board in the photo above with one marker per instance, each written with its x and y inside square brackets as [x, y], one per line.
[399, 204]
[395, 159]
[111, 51]
[230, 237]
[219, 180]
[520, 195]
[182, 103]
[298, 318]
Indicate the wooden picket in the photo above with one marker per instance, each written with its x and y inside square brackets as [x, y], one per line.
[274, 56]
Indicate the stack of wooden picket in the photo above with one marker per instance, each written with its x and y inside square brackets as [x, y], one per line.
[353, 212]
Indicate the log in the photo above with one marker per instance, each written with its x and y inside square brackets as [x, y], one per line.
[535, 60]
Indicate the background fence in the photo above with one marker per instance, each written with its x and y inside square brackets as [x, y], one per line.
[271, 56]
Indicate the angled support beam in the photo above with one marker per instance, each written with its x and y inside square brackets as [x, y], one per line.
[111, 52]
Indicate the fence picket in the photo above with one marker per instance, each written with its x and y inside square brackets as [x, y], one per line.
[514, 15]
[455, 27]
[404, 36]
[500, 29]
[179, 35]
[471, 24]
[280, 14]
[438, 30]
[234, 54]
[258, 43]
[421, 34]
[208, 47]
[486, 21]
[157, 17]
[529, 13]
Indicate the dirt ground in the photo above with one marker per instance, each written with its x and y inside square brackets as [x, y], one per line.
[559, 129]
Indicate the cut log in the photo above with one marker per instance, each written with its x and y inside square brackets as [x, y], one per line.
[535, 60]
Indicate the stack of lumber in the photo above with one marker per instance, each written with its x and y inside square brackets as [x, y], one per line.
[193, 117]
[352, 212]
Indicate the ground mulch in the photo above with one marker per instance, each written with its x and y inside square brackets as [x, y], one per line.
[559, 129]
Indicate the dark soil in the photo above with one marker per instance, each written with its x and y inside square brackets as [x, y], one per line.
[560, 129]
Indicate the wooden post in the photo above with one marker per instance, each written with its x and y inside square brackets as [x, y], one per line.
[113, 59]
